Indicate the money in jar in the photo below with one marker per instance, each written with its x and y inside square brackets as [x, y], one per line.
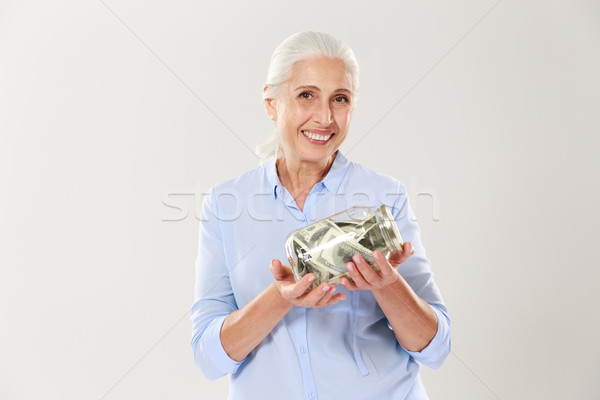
[326, 246]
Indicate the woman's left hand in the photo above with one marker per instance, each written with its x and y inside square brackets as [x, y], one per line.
[364, 277]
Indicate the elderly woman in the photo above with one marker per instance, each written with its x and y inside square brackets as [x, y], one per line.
[251, 319]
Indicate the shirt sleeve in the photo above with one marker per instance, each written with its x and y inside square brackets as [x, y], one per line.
[417, 273]
[438, 349]
[214, 299]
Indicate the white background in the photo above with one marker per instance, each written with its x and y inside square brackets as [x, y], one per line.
[487, 111]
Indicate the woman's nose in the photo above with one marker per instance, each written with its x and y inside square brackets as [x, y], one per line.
[322, 114]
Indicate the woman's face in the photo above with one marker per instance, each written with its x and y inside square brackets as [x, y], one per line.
[314, 109]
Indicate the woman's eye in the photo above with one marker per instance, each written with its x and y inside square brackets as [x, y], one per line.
[305, 96]
[342, 99]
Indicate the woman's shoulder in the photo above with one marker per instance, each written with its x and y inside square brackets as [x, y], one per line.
[370, 187]
[360, 173]
[254, 178]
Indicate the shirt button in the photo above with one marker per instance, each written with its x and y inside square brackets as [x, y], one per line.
[303, 350]
[312, 395]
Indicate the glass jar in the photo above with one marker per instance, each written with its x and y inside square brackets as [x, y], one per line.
[326, 246]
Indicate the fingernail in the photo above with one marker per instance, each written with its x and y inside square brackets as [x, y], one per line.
[350, 267]
[343, 297]
[311, 278]
[377, 254]
[356, 258]
[332, 291]
[325, 288]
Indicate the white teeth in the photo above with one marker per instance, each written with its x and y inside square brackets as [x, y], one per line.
[317, 137]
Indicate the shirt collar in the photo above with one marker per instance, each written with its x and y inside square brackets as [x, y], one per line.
[272, 177]
[331, 182]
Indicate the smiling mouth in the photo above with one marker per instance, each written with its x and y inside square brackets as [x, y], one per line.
[314, 136]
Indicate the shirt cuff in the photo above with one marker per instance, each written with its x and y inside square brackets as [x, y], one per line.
[214, 349]
[438, 349]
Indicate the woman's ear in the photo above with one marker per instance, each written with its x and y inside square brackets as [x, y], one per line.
[270, 105]
[271, 109]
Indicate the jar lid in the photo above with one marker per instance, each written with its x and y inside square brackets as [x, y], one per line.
[390, 229]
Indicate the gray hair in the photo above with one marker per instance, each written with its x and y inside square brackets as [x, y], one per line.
[299, 47]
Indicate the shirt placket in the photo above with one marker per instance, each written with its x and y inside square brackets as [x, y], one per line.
[303, 354]
[300, 316]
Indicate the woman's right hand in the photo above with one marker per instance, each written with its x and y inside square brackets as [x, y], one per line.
[295, 292]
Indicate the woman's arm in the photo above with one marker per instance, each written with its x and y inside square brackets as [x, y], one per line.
[412, 318]
[246, 328]
[222, 333]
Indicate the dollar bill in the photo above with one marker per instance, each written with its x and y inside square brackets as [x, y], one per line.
[321, 273]
[338, 255]
[305, 252]
[312, 235]
[349, 226]
[361, 230]
[324, 248]
[373, 239]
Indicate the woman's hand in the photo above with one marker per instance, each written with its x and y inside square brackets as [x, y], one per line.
[365, 278]
[295, 292]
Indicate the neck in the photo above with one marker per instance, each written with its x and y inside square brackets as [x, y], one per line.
[299, 176]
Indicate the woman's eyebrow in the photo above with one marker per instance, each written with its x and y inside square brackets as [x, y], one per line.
[308, 87]
[316, 89]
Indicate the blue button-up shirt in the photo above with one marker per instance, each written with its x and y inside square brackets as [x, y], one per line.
[347, 350]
